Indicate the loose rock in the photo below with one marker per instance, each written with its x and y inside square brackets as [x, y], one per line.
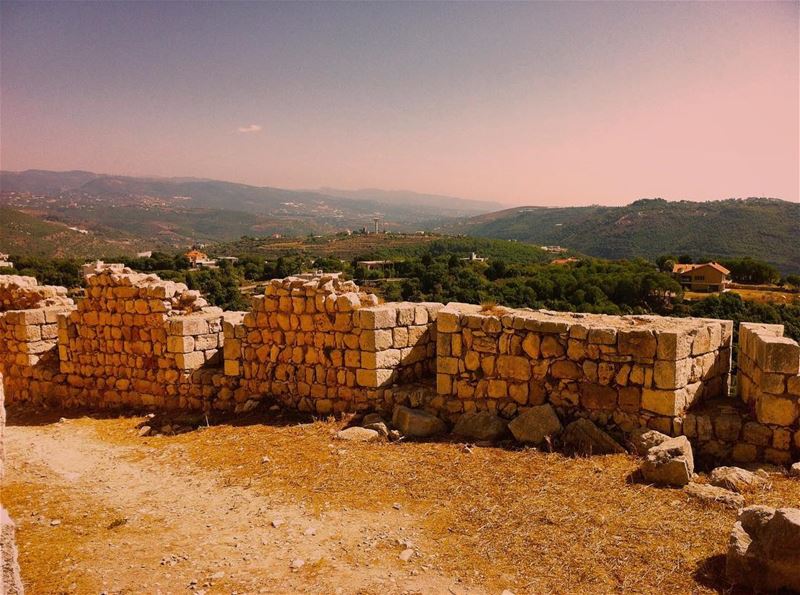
[669, 463]
[736, 479]
[643, 440]
[583, 437]
[535, 424]
[357, 434]
[406, 554]
[481, 426]
[417, 423]
[794, 470]
[714, 494]
[764, 549]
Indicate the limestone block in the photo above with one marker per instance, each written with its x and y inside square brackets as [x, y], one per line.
[180, 344]
[188, 361]
[596, 396]
[664, 402]
[483, 425]
[515, 367]
[669, 463]
[535, 425]
[417, 334]
[417, 423]
[603, 336]
[231, 367]
[566, 369]
[497, 389]
[776, 410]
[388, 358]
[374, 378]
[447, 321]
[674, 345]
[406, 313]
[375, 340]
[638, 343]
[779, 354]
[671, 374]
[551, 347]
[378, 317]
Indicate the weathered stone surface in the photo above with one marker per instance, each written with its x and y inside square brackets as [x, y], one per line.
[417, 423]
[358, 434]
[714, 494]
[764, 549]
[585, 438]
[736, 479]
[536, 424]
[643, 439]
[481, 425]
[794, 470]
[669, 463]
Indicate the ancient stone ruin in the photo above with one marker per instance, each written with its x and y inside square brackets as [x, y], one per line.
[323, 346]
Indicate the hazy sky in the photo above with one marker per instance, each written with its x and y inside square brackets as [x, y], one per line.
[537, 103]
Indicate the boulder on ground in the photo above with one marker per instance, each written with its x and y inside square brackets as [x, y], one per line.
[794, 470]
[372, 418]
[736, 479]
[764, 549]
[644, 439]
[583, 437]
[379, 427]
[535, 424]
[714, 494]
[417, 423]
[357, 434]
[669, 463]
[482, 425]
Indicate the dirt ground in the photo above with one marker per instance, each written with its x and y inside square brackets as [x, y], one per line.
[274, 505]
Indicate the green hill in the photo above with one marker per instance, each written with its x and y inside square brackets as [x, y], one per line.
[764, 228]
[21, 233]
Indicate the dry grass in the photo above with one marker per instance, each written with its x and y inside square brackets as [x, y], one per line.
[540, 521]
[497, 518]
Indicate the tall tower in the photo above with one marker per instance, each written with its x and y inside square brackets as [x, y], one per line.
[376, 220]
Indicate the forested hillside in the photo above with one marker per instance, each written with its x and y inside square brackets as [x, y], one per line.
[762, 228]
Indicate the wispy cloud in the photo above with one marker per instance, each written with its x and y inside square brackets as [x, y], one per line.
[250, 128]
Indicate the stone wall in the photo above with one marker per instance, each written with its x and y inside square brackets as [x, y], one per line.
[629, 371]
[321, 345]
[136, 340]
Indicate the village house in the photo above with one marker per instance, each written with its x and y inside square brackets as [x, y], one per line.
[199, 259]
[706, 277]
[4, 262]
[375, 265]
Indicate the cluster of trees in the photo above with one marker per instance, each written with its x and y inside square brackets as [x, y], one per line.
[516, 275]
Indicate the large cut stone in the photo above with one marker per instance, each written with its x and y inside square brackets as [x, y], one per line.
[535, 424]
[669, 463]
[417, 423]
[764, 549]
[482, 425]
[583, 437]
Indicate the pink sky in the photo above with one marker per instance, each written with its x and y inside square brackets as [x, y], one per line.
[525, 103]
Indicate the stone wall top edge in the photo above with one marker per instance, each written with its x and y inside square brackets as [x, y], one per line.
[619, 322]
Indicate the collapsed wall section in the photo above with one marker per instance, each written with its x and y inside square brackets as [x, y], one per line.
[631, 371]
[29, 314]
[137, 340]
[322, 345]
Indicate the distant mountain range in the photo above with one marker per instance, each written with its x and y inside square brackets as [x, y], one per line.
[122, 214]
[763, 228]
[170, 212]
